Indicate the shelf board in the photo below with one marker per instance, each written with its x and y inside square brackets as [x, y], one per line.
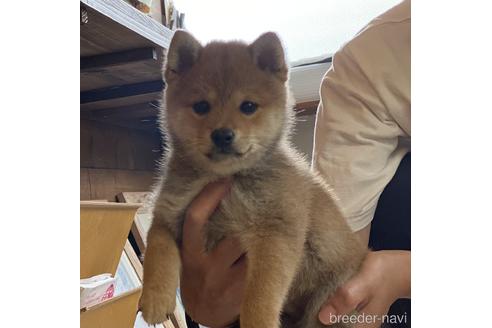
[114, 25]
[98, 62]
[121, 103]
[122, 51]
[136, 111]
[121, 91]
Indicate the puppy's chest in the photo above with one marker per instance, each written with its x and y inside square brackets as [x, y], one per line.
[247, 210]
[251, 199]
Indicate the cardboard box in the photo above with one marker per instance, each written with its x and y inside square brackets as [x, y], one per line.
[117, 312]
[104, 228]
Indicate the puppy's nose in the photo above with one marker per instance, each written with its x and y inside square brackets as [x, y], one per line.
[222, 138]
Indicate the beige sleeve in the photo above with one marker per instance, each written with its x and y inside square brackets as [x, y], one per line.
[356, 139]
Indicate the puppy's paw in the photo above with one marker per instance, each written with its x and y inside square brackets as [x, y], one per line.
[156, 306]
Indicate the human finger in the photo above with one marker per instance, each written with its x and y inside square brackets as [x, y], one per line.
[227, 252]
[197, 214]
[346, 299]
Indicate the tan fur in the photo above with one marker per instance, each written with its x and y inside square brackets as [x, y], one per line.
[299, 247]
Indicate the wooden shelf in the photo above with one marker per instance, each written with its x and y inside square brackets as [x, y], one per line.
[121, 58]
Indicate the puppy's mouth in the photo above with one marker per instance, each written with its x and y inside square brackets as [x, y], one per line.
[218, 154]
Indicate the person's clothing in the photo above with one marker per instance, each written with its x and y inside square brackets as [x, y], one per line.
[363, 120]
[390, 230]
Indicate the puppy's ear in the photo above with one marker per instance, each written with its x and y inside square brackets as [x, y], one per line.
[268, 54]
[182, 54]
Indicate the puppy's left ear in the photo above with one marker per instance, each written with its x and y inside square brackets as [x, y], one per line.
[268, 55]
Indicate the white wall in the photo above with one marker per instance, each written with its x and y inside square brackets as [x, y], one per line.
[303, 135]
[304, 81]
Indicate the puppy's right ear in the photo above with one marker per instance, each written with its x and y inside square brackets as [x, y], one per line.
[182, 54]
[268, 54]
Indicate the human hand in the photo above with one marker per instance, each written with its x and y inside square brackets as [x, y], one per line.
[384, 277]
[211, 284]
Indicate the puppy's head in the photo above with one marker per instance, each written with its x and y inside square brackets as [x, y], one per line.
[226, 102]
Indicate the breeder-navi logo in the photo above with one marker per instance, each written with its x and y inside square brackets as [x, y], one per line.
[369, 318]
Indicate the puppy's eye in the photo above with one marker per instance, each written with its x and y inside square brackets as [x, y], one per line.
[248, 107]
[201, 107]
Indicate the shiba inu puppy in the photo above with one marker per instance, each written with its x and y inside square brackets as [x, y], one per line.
[227, 114]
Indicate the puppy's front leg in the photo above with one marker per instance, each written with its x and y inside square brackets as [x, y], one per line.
[272, 264]
[161, 275]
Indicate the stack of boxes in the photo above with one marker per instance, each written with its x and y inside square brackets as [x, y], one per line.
[104, 229]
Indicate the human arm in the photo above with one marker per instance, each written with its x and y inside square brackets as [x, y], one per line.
[384, 277]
